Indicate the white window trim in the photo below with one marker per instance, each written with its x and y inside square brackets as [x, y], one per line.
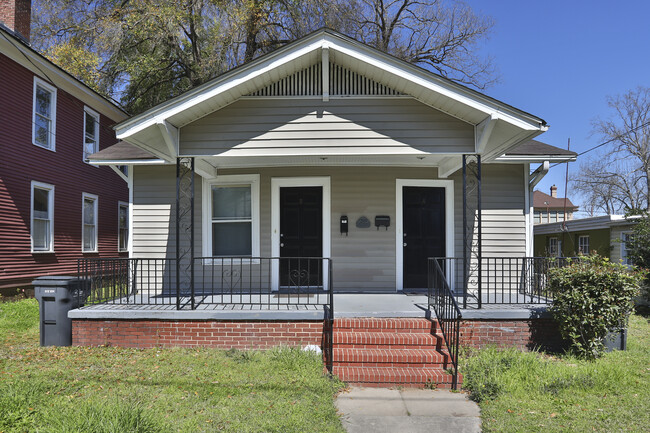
[236, 179]
[448, 185]
[49, 87]
[276, 184]
[94, 114]
[50, 206]
[625, 235]
[121, 204]
[95, 199]
[558, 245]
[580, 238]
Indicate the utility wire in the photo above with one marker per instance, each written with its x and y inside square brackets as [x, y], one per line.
[608, 141]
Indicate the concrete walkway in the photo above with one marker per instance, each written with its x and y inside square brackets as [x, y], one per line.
[379, 410]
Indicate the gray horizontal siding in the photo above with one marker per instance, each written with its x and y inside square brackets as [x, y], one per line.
[365, 259]
[254, 125]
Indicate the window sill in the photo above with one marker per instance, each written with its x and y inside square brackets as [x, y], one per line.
[43, 252]
[53, 149]
[230, 261]
[90, 252]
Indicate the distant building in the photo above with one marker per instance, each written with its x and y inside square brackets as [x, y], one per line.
[606, 235]
[551, 208]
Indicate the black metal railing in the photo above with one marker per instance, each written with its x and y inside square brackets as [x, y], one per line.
[504, 280]
[247, 283]
[448, 313]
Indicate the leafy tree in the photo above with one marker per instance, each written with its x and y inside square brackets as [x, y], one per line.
[143, 52]
[619, 180]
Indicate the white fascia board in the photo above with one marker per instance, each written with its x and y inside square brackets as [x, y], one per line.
[534, 158]
[202, 94]
[357, 51]
[424, 79]
[39, 65]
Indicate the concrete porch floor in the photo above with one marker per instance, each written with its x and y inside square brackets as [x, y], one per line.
[345, 305]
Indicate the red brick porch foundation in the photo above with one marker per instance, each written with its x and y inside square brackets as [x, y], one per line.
[524, 334]
[192, 333]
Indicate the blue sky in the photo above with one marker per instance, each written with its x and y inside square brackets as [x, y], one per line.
[560, 60]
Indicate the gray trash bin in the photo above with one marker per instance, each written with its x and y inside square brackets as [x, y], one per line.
[56, 296]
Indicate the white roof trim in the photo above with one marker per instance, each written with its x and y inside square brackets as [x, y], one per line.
[346, 46]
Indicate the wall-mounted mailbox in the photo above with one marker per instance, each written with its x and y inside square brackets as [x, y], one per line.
[344, 225]
[382, 221]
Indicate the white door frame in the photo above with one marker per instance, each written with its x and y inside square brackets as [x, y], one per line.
[280, 182]
[448, 185]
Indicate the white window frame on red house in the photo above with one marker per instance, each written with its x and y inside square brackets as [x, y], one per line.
[94, 139]
[50, 217]
[51, 133]
[122, 231]
[84, 224]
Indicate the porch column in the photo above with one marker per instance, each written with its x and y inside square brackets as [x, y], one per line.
[184, 230]
[472, 237]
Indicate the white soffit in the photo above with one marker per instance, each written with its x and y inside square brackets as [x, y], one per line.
[433, 90]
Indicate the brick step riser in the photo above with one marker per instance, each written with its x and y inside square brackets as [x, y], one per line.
[397, 359]
[389, 331]
[387, 346]
[387, 339]
[440, 365]
[403, 385]
[422, 325]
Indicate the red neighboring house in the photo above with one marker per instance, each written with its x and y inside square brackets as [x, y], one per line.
[54, 207]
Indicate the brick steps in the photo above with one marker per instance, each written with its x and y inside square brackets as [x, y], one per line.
[390, 352]
[389, 358]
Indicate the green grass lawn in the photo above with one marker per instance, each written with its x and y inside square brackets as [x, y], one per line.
[532, 392]
[109, 389]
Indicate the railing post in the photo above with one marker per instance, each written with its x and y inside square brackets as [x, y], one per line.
[472, 234]
[184, 228]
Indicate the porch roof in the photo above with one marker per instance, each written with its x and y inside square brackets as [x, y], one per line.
[499, 126]
[127, 153]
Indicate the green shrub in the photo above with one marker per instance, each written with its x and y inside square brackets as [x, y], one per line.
[591, 297]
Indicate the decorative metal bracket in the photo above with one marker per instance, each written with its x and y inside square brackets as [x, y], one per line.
[472, 236]
[184, 230]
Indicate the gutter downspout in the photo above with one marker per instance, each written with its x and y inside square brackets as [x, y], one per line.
[533, 179]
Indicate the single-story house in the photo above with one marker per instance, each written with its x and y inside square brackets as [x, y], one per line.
[605, 235]
[298, 199]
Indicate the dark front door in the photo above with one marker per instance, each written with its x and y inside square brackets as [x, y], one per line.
[301, 236]
[423, 210]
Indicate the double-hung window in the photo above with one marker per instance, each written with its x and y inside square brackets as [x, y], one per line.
[583, 245]
[554, 247]
[231, 217]
[626, 240]
[123, 227]
[44, 115]
[89, 231]
[91, 132]
[42, 214]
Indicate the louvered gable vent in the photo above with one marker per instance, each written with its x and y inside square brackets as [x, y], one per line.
[342, 82]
